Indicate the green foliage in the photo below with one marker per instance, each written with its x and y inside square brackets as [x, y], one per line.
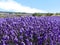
[10, 13]
[57, 13]
[42, 14]
[49, 14]
[37, 14]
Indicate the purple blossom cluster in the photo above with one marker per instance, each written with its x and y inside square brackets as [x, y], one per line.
[30, 30]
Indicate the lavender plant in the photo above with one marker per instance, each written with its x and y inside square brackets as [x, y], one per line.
[30, 30]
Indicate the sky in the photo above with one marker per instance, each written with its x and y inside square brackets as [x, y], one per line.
[30, 6]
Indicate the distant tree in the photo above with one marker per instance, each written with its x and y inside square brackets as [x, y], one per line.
[10, 13]
[49, 14]
[57, 13]
[37, 14]
[42, 14]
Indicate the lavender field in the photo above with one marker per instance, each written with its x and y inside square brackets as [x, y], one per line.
[30, 30]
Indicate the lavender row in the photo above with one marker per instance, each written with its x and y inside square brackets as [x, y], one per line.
[30, 30]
